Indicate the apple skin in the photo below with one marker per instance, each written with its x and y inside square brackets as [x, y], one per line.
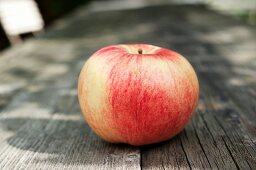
[139, 99]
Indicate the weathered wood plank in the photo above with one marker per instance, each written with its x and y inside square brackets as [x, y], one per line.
[214, 139]
[41, 126]
[53, 134]
[233, 130]
[165, 155]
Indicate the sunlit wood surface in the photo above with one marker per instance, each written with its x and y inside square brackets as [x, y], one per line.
[41, 125]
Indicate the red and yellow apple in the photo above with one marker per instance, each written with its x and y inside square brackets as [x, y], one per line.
[137, 94]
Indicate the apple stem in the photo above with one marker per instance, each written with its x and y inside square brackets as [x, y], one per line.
[140, 51]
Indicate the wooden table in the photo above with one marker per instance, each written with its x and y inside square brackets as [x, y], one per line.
[41, 125]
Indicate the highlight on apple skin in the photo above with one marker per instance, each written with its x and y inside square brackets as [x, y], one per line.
[137, 94]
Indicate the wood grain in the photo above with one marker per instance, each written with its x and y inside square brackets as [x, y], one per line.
[41, 126]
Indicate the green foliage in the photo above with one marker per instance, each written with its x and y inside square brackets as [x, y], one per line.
[249, 17]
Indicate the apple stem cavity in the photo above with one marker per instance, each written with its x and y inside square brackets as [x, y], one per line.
[140, 51]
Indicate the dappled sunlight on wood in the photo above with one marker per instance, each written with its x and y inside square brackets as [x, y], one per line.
[41, 125]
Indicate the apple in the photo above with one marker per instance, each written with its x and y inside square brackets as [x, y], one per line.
[137, 94]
